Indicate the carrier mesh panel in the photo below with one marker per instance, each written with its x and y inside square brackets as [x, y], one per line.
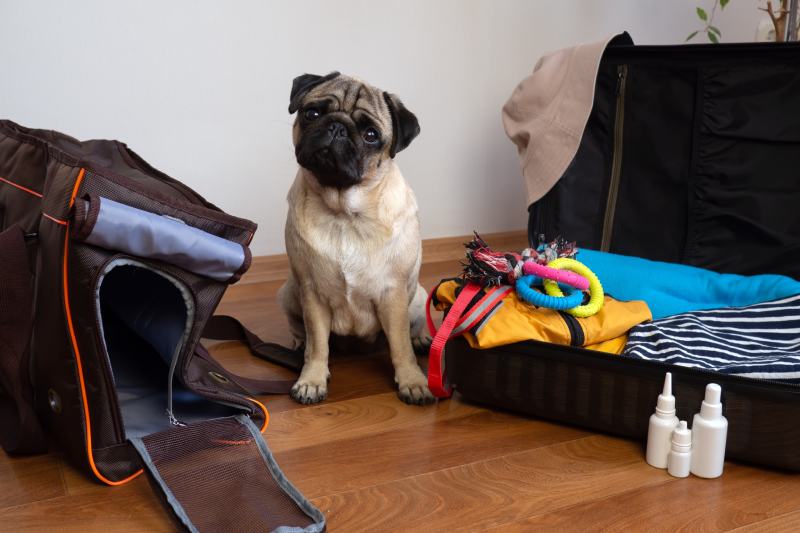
[216, 479]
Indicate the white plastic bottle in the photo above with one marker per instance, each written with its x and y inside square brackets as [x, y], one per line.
[662, 423]
[680, 456]
[709, 433]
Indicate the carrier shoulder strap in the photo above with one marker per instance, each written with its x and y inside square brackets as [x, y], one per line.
[20, 429]
[227, 328]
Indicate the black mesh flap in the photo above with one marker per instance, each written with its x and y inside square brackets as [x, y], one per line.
[219, 475]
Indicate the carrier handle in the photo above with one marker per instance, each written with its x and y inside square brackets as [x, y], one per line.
[20, 429]
[227, 328]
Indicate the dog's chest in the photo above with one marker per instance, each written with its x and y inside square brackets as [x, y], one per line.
[357, 252]
[356, 259]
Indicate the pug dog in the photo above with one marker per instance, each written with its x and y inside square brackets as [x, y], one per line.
[352, 231]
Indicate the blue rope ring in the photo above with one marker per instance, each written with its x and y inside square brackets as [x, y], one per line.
[539, 299]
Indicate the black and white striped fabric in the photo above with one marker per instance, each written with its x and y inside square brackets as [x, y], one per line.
[758, 341]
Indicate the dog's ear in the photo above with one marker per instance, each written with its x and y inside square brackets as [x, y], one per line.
[405, 125]
[302, 84]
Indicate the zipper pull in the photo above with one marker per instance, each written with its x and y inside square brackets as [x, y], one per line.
[622, 70]
[174, 421]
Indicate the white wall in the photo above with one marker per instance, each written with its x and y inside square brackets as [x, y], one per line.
[200, 88]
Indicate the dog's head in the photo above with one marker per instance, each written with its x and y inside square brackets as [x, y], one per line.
[345, 129]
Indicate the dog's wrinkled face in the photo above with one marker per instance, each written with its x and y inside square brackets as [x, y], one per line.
[345, 129]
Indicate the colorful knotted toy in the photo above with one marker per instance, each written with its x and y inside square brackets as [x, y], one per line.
[554, 263]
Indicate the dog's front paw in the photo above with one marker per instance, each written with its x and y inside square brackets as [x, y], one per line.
[312, 387]
[412, 387]
[415, 394]
[307, 391]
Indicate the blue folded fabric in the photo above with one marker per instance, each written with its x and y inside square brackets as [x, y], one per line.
[671, 289]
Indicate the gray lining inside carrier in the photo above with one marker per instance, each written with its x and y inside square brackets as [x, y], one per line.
[145, 316]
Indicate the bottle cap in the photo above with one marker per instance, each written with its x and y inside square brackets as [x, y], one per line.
[711, 406]
[681, 436]
[666, 401]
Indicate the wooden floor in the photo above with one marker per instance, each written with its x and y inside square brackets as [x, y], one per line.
[372, 463]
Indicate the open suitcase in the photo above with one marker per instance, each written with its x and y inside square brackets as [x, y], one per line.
[690, 154]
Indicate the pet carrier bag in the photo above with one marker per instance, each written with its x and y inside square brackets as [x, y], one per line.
[110, 274]
[682, 154]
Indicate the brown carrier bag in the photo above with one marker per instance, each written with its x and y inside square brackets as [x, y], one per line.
[110, 274]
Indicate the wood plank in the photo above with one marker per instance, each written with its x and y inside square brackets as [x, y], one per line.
[785, 523]
[27, 479]
[329, 422]
[351, 378]
[742, 496]
[483, 494]
[417, 449]
[130, 508]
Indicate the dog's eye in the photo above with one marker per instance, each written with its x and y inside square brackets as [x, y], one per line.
[312, 113]
[371, 135]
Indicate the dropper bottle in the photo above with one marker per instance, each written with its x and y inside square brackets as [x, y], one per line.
[681, 454]
[709, 434]
[662, 424]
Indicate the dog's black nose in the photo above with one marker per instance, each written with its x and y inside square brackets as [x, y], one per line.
[337, 129]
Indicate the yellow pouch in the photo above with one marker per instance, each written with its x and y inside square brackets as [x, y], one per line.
[496, 318]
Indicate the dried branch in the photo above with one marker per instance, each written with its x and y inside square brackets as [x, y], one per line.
[778, 19]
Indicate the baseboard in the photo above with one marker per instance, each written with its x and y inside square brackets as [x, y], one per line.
[276, 267]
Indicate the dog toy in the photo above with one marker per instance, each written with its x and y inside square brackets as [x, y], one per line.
[548, 272]
[596, 295]
[554, 262]
[539, 299]
[489, 268]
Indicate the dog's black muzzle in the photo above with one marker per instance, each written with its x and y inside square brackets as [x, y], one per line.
[332, 152]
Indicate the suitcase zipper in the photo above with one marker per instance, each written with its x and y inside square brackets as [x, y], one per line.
[616, 161]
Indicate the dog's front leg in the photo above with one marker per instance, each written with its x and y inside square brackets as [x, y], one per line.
[312, 386]
[393, 314]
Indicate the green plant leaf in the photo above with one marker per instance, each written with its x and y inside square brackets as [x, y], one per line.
[712, 37]
[691, 36]
[715, 30]
[702, 14]
[723, 3]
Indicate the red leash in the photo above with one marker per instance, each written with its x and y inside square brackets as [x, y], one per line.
[455, 317]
